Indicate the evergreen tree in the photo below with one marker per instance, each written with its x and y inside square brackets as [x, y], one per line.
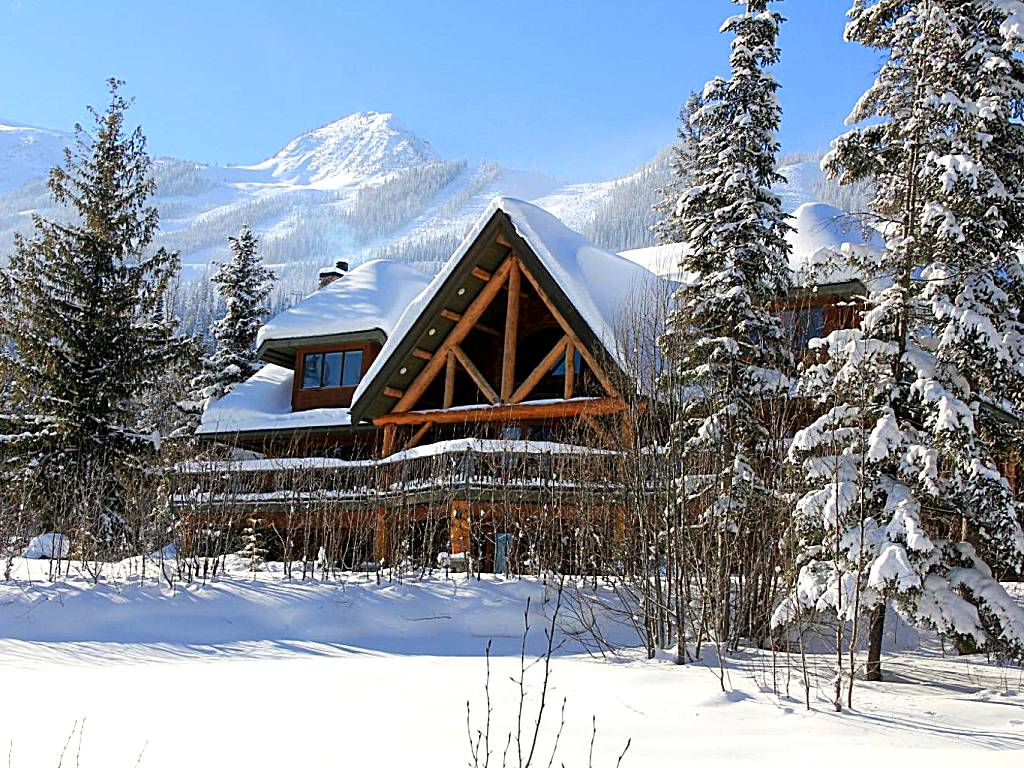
[726, 347]
[669, 226]
[84, 336]
[906, 499]
[244, 285]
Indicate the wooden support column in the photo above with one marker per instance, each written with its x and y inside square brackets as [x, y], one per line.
[619, 536]
[449, 380]
[459, 528]
[508, 359]
[381, 536]
[570, 369]
[390, 433]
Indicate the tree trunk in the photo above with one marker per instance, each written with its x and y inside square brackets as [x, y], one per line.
[876, 628]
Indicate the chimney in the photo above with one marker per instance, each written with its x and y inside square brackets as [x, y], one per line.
[329, 274]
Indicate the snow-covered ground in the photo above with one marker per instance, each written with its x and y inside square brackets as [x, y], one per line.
[263, 671]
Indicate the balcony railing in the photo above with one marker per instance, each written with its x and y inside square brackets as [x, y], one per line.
[529, 471]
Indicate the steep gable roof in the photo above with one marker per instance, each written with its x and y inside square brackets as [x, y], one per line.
[592, 286]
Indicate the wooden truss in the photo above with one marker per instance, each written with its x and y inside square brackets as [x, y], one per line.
[507, 402]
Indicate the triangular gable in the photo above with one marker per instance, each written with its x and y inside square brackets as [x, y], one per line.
[584, 286]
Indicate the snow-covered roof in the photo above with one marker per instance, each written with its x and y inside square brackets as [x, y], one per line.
[264, 402]
[599, 283]
[819, 231]
[370, 297]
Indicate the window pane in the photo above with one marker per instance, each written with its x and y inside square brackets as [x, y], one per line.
[816, 323]
[353, 368]
[311, 365]
[332, 369]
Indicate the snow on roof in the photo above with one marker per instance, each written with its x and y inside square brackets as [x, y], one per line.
[599, 283]
[819, 231]
[822, 231]
[373, 295]
[264, 402]
[662, 260]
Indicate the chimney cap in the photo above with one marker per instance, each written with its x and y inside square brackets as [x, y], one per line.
[328, 275]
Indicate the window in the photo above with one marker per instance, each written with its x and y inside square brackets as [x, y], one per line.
[802, 325]
[332, 369]
[558, 369]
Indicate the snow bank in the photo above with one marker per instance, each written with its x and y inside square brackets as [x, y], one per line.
[264, 402]
[338, 665]
[372, 296]
[47, 547]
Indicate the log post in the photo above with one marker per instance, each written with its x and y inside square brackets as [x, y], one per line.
[508, 359]
[381, 536]
[449, 380]
[390, 433]
[570, 369]
[459, 530]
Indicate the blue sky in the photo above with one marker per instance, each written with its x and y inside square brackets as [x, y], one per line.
[581, 89]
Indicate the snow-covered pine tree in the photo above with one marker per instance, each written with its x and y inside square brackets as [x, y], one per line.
[726, 347]
[669, 226]
[906, 499]
[83, 338]
[253, 551]
[244, 285]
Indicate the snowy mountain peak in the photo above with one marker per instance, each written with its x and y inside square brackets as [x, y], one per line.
[28, 153]
[351, 149]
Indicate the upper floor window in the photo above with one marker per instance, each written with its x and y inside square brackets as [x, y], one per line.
[332, 369]
[802, 325]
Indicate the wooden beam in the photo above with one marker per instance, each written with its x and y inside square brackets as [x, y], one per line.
[508, 357]
[418, 436]
[449, 380]
[570, 369]
[560, 409]
[539, 372]
[455, 317]
[390, 432]
[455, 336]
[381, 536]
[598, 430]
[477, 377]
[481, 274]
[584, 352]
[422, 354]
[392, 392]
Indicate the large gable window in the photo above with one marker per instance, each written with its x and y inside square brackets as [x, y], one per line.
[332, 369]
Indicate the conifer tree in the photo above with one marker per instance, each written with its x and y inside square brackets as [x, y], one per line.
[669, 226]
[244, 285]
[726, 347]
[905, 498]
[84, 339]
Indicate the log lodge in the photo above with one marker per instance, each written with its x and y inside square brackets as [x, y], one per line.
[500, 391]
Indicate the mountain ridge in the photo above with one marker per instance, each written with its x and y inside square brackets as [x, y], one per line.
[360, 187]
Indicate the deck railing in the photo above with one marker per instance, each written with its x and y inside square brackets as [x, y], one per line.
[455, 468]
